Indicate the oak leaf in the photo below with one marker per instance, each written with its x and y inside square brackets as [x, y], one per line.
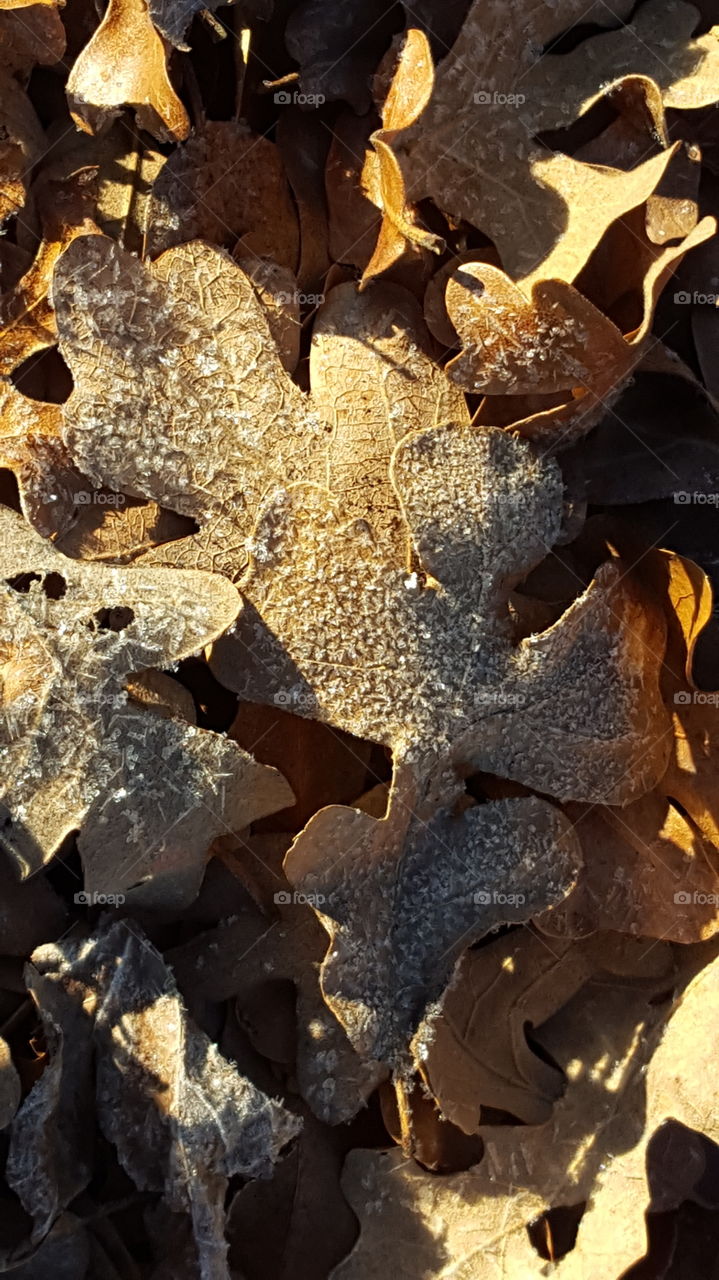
[105, 77]
[474, 150]
[181, 1118]
[143, 790]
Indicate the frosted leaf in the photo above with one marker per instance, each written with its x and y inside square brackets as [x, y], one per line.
[148, 793]
[182, 1118]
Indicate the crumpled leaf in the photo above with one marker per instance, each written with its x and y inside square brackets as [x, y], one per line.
[424, 663]
[180, 1116]
[382, 180]
[475, 1223]
[549, 339]
[400, 898]
[225, 185]
[104, 78]
[474, 148]
[143, 790]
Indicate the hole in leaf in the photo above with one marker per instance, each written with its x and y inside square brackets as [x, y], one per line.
[23, 581]
[53, 584]
[114, 619]
[553, 1234]
[44, 376]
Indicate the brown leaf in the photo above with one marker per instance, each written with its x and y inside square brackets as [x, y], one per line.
[22, 144]
[299, 1223]
[181, 1118]
[104, 79]
[425, 665]
[375, 381]
[30, 33]
[186, 334]
[143, 790]
[550, 339]
[225, 185]
[402, 896]
[476, 1223]
[252, 957]
[293, 745]
[513, 985]
[382, 179]
[473, 151]
[9, 1086]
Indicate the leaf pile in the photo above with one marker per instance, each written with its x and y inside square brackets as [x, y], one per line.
[359, 801]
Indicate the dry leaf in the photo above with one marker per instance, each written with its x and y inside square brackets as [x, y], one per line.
[30, 443]
[474, 1224]
[473, 150]
[225, 185]
[401, 897]
[424, 662]
[373, 393]
[21, 145]
[252, 957]
[143, 790]
[382, 180]
[181, 1118]
[187, 333]
[237, 425]
[549, 339]
[30, 33]
[125, 64]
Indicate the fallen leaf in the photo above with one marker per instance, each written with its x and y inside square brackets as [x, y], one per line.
[21, 146]
[142, 790]
[105, 78]
[181, 1118]
[225, 185]
[476, 1223]
[252, 956]
[423, 663]
[188, 332]
[402, 896]
[373, 394]
[300, 1223]
[30, 33]
[474, 149]
[382, 179]
[550, 339]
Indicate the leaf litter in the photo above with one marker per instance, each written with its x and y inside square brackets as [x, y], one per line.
[358, 481]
